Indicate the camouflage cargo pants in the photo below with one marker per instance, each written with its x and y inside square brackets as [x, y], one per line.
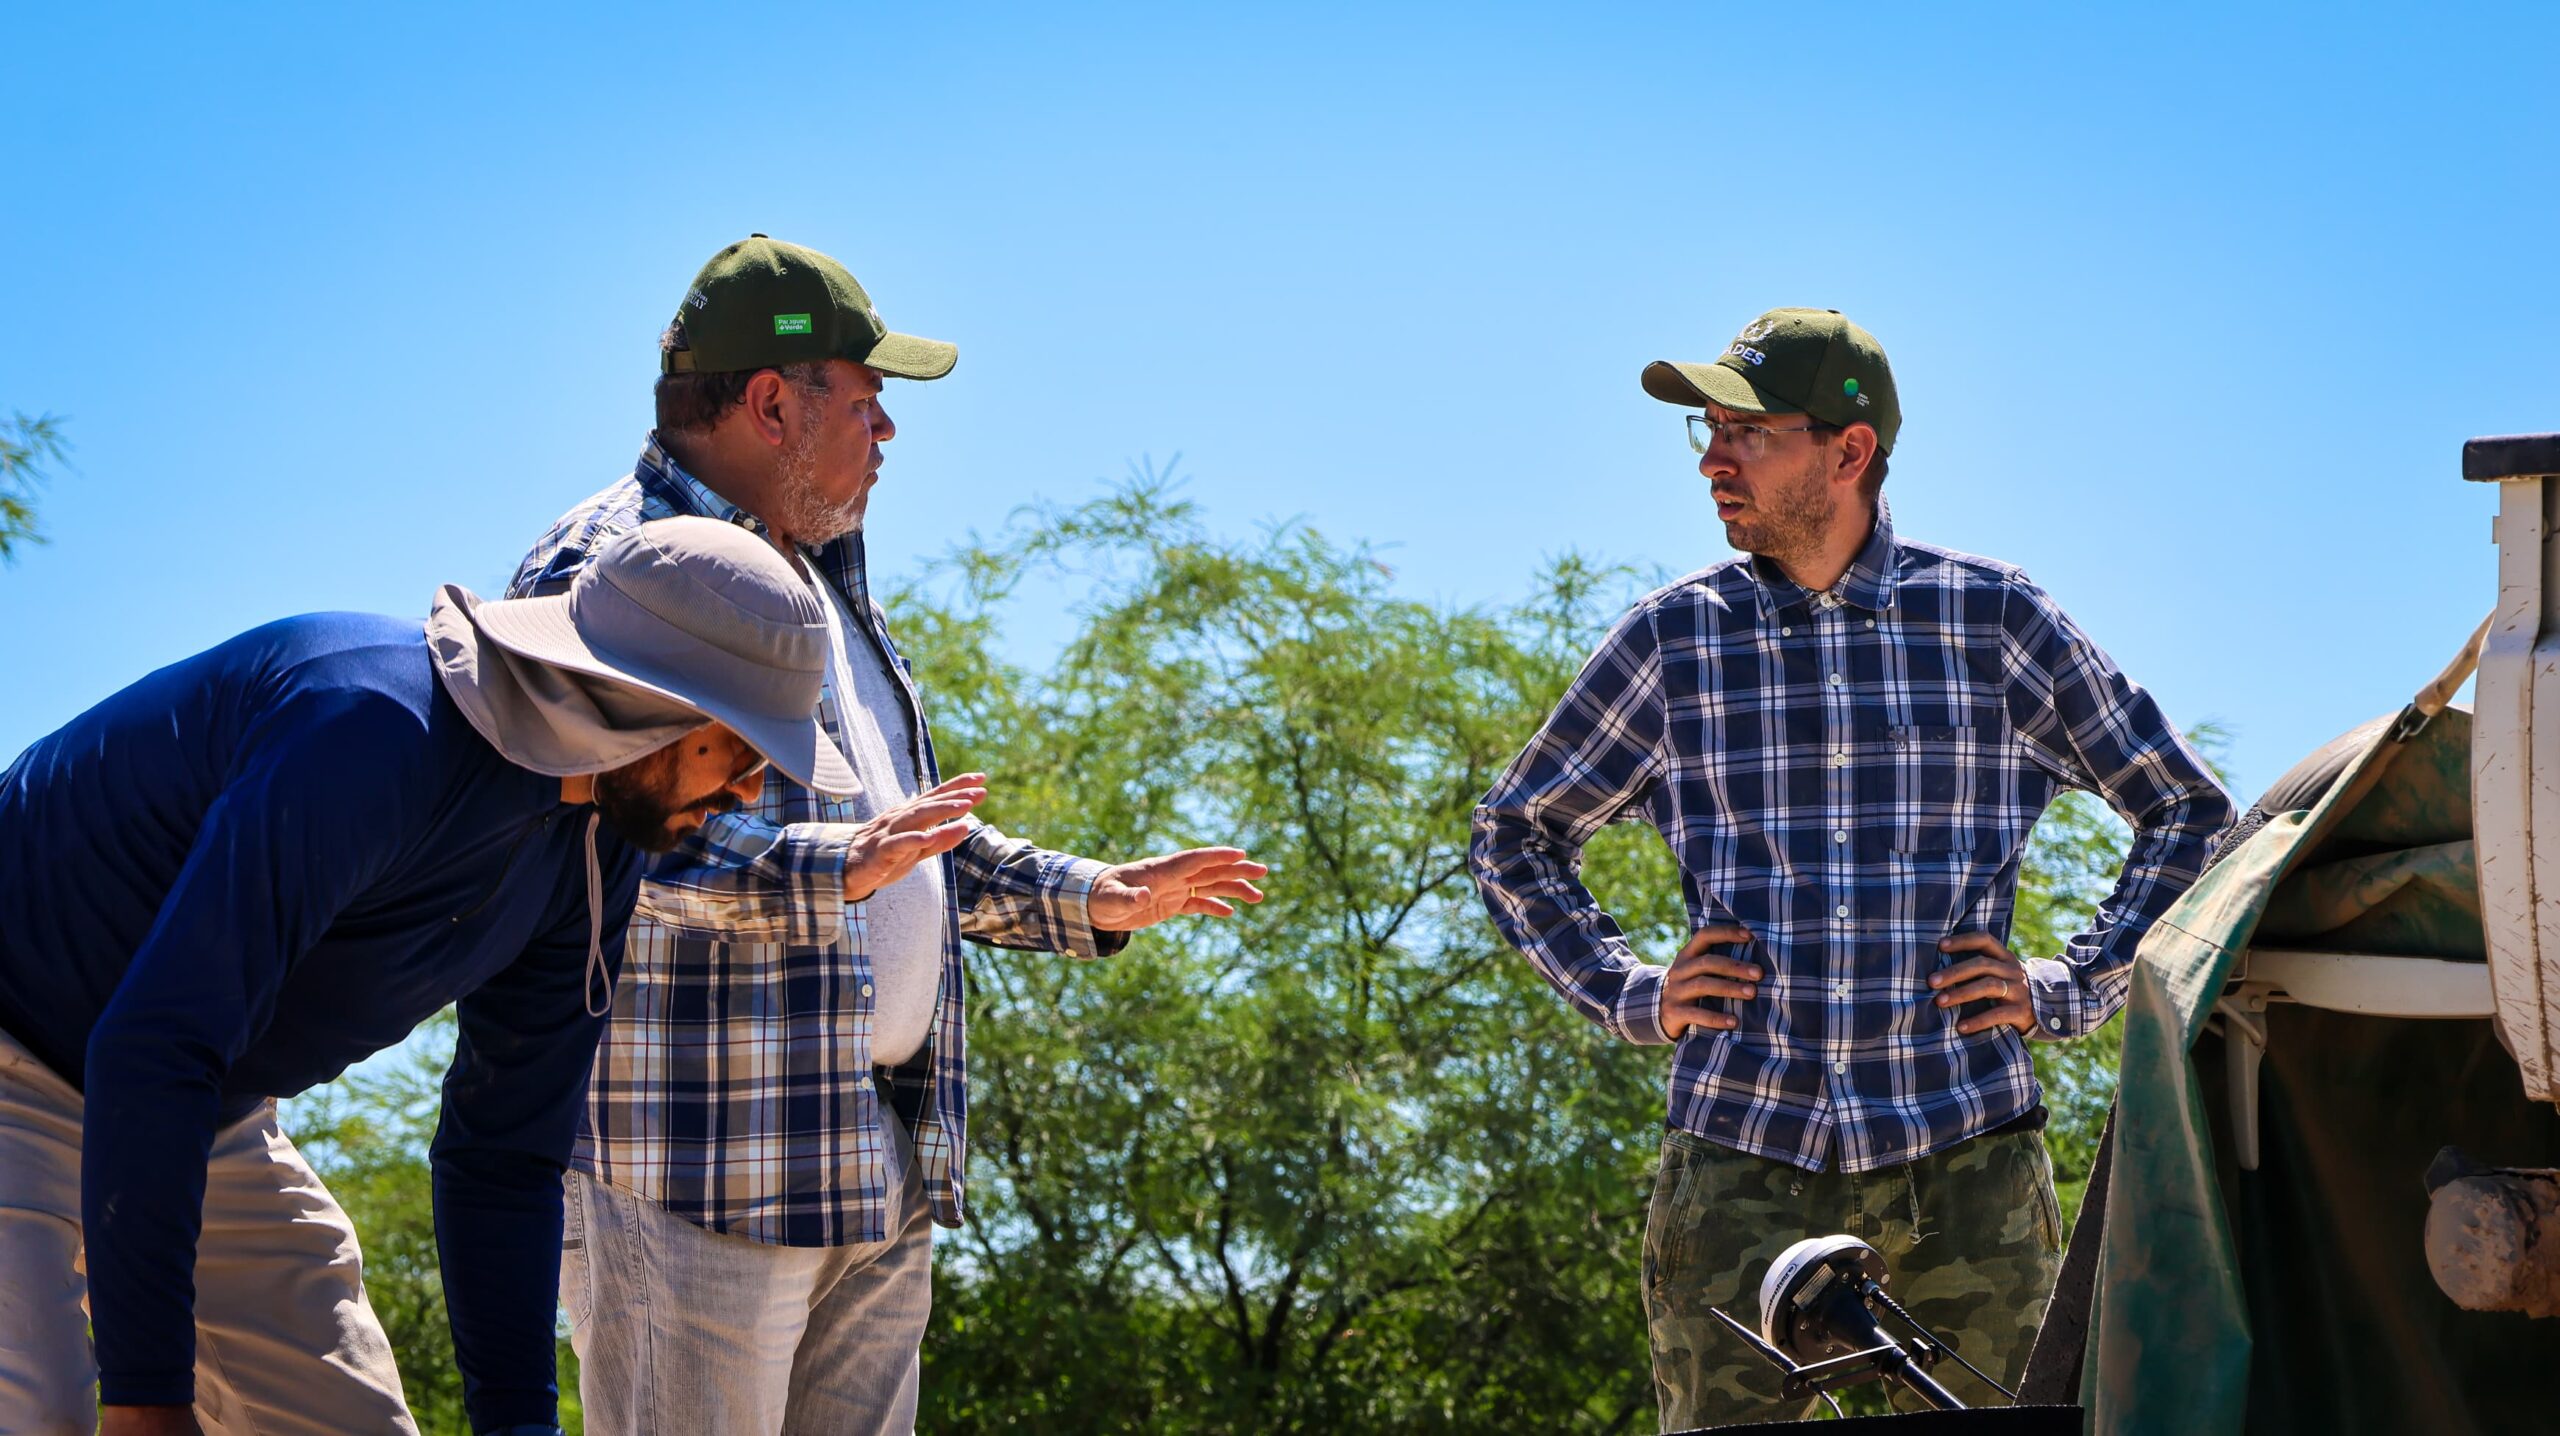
[1972, 1235]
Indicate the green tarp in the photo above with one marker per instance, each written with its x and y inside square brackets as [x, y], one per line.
[2296, 1298]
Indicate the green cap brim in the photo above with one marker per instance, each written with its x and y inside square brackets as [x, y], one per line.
[904, 356]
[1697, 385]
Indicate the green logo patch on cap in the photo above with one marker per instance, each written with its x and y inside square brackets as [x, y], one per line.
[791, 324]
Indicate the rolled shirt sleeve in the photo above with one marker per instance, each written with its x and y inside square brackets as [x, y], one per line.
[1013, 894]
[741, 878]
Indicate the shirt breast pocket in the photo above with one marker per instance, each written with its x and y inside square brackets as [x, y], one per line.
[1947, 784]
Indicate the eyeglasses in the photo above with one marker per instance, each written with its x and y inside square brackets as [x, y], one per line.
[1751, 441]
[757, 764]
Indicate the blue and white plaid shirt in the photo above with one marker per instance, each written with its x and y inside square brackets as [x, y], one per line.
[734, 1085]
[1851, 776]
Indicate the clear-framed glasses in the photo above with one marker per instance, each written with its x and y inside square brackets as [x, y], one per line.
[1751, 441]
[756, 763]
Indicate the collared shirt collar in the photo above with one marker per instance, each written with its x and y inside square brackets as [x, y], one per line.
[1868, 584]
[658, 471]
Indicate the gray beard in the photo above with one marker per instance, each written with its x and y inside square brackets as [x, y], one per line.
[804, 513]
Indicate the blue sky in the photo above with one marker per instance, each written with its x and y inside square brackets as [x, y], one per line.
[2190, 308]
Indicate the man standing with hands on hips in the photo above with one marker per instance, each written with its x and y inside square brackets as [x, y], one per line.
[777, 1117]
[1845, 738]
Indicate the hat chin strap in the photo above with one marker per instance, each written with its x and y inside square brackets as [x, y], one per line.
[595, 929]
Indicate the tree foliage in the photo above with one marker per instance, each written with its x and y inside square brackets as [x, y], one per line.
[1343, 1163]
[30, 447]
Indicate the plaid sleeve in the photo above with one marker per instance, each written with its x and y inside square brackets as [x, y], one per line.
[1598, 756]
[1011, 894]
[741, 878]
[2098, 729]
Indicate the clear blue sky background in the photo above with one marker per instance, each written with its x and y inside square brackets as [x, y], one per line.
[2191, 309]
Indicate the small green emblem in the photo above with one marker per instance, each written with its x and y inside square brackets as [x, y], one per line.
[791, 324]
[1848, 386]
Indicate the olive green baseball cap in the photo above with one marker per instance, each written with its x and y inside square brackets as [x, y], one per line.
[762, 304]
[1792, 361]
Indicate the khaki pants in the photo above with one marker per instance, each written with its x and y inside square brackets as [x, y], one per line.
[286, 1344]
[681, 1331]
[1972, 1237]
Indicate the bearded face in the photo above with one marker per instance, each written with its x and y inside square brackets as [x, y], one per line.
[643, 804]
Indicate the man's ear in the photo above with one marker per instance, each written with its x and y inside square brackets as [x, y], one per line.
[1850, 456]
[763, 404]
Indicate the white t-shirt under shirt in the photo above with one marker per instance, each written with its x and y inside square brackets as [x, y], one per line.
[905, 918]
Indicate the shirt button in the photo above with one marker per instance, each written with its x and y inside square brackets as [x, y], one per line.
[1786, 633]
[866, 989]
[2055, 1024]
[1871, 623]
[1839, 835]
[1839, 760]
[1841, 990]
[1835, 680]
[1841, 911]
[1839, 1066]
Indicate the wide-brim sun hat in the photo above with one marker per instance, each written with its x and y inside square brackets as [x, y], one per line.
[691, 611]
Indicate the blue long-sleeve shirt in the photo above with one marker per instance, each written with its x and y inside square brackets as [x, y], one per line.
[255, 867]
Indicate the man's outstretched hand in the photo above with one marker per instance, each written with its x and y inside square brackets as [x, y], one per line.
[1201, 882]
[927, 825]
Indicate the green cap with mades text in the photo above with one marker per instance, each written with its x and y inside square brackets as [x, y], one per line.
[1792, 361]
[764, 304]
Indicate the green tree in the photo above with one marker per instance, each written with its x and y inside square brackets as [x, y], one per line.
[1344, 1163]
[30, 447]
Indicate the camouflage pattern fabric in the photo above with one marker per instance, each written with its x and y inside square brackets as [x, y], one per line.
[1972, 1236]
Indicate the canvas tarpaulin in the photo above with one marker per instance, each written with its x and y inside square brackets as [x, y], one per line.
[2296, 1298]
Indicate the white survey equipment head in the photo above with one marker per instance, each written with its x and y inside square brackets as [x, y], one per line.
[1799, 1280]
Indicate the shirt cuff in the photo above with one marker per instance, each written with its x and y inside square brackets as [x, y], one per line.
[1638, 1017]
[819, 854]
[2054, 991]
[1070, 888]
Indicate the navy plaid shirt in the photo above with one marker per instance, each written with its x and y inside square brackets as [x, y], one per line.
[1851, 776]
[734, 1085]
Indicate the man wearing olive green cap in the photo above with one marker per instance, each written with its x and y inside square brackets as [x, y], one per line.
[1845, 738]
[777, 1114]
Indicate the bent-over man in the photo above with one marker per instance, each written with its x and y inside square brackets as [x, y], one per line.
[1845, 737]
[258, 865]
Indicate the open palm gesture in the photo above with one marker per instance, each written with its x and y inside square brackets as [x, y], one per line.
[1200, 882]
